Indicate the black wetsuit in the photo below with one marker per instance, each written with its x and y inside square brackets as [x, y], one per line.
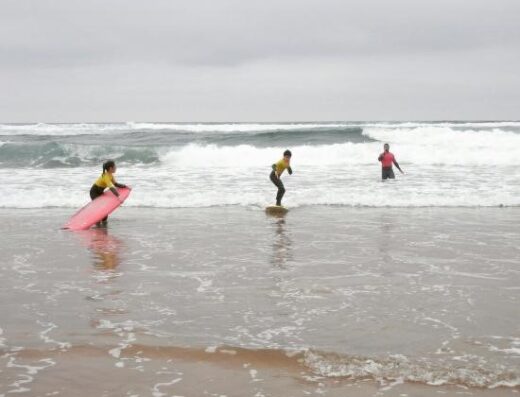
[388, 173]
[96, 191]
[278, 183]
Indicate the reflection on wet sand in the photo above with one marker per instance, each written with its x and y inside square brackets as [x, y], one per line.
[282, 245]
[105, 248]
[105, 293]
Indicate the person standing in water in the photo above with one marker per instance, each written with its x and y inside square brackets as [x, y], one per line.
[278, 169]
[106, 180]
[387, 159]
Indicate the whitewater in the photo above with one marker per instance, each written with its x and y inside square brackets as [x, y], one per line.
[170, 165]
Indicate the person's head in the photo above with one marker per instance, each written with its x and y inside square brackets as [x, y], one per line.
[287, 155]
[109, 166]
[386, 147]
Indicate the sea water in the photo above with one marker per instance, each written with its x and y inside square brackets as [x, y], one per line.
[172, 165]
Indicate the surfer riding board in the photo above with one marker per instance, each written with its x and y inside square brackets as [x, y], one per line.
[277, 170]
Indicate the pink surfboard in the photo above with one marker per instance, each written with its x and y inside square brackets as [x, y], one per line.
[97, 209]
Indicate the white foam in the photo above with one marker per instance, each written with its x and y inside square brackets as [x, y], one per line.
[24, 380]
[196, 156]
[236, 127]
[45, 337]
[445, 146]
[157, 393]
[444, 167]
[253, 374]
[175, 187]
[61, 129]
[513, 349]
[96, 128]
[415, 146]
[398, 369]
[448, 124]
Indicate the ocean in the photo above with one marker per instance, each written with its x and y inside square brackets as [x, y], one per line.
[446, 164]
[408, 287]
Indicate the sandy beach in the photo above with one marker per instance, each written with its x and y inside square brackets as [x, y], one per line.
[228, 301]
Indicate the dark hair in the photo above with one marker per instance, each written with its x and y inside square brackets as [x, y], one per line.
[108, 164]
[287, 153]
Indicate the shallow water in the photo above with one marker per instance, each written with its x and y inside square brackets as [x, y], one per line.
[422, 296]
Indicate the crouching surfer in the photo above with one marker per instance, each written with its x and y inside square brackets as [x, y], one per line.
[106, 180]
[278, 168]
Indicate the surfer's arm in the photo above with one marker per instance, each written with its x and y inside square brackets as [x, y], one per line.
[120, 185]
[399, 168]
[289, 170]
[380, 158]
[274, 169]
[114, 190]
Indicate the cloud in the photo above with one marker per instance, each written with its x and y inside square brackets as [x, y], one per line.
[120, 60]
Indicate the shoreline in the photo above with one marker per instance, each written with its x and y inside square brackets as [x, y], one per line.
[229, 301]
[226, 371]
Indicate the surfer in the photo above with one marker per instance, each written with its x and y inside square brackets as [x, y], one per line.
[278, 169]
[106, 180]
[387, 159]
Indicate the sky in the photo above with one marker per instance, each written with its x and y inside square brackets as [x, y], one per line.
[259, 60]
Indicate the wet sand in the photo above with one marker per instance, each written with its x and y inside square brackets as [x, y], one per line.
[86, 371]
[227, 301]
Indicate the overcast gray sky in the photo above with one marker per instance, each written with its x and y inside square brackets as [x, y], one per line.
[258, 60]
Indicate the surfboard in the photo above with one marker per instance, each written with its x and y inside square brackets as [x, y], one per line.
[276, 210]
[96, 210]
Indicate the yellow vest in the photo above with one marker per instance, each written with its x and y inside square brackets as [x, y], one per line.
[281, 166]
[105, 180]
